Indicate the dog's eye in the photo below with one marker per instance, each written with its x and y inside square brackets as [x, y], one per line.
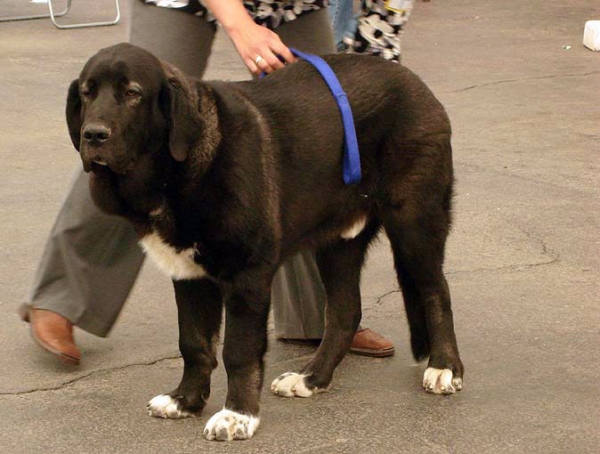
[132, 93]
[86, 92]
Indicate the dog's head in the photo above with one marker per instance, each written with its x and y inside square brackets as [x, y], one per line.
[127, 106]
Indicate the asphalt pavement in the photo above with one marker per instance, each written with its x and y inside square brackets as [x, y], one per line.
[522, 259]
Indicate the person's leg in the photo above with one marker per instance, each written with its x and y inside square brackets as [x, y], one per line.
[298, 299]
[342, 21]
[87, 252]
[179, 38]
[298, 296]
[379, 29]
[311, 33]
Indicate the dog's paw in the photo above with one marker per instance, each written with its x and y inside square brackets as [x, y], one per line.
[291, 384]
[441, 381]
[168, 407]
[228, 425]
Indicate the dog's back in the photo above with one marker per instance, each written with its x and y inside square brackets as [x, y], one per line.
[301, 141]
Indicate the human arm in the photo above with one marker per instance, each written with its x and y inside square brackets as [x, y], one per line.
[250, 39]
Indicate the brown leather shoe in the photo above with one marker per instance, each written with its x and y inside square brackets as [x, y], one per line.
[370, 343]
[52, 332]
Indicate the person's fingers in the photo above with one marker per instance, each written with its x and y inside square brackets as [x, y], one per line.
[264, 65]
[252, 66]
[258, 66]
[273, 61]
[283, 51]
[267, 61]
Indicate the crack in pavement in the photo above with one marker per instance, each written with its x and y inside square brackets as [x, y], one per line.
[82, 377]
[546, 251]
[553, 257]
[505, 267]
[380, 301]
[113, 369]
[507, 81]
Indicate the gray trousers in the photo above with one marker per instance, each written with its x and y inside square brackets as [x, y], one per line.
[91, 260]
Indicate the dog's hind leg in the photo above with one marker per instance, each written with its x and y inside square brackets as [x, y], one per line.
[199, 307]
[417, 229]
[340, 267]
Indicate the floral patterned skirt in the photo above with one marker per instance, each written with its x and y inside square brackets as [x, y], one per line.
[270, 13]
[379, 27]
[377, 31]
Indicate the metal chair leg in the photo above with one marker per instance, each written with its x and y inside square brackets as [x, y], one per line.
[52, 15]
[89, 24]
[37, 16]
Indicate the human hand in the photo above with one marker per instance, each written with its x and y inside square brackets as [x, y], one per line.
[259, 47]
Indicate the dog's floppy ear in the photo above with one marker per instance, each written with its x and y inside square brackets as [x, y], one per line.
[188, 130]
[180, 106]
[73, 112]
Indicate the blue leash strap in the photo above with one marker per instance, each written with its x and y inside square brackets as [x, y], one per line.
[352, 172]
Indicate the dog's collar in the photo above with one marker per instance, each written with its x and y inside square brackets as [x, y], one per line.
[352, 171]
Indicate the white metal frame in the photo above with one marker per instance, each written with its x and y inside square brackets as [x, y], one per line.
[52, 15]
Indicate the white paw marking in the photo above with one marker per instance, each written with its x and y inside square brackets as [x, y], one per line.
[228, 425]
[291, 384]
[177, 264]
[165, 406]
[441, 381]
[355, 229]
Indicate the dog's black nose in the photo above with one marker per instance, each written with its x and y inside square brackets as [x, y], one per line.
[96, 133]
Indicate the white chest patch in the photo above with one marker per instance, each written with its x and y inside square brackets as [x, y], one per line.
[355, 229]
[178, 265]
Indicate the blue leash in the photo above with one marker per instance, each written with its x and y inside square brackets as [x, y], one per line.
[352, 173]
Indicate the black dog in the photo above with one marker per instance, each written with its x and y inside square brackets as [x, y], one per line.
[224, 181]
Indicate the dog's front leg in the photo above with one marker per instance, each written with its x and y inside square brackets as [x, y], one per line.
[245, 344]
[199, 309]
